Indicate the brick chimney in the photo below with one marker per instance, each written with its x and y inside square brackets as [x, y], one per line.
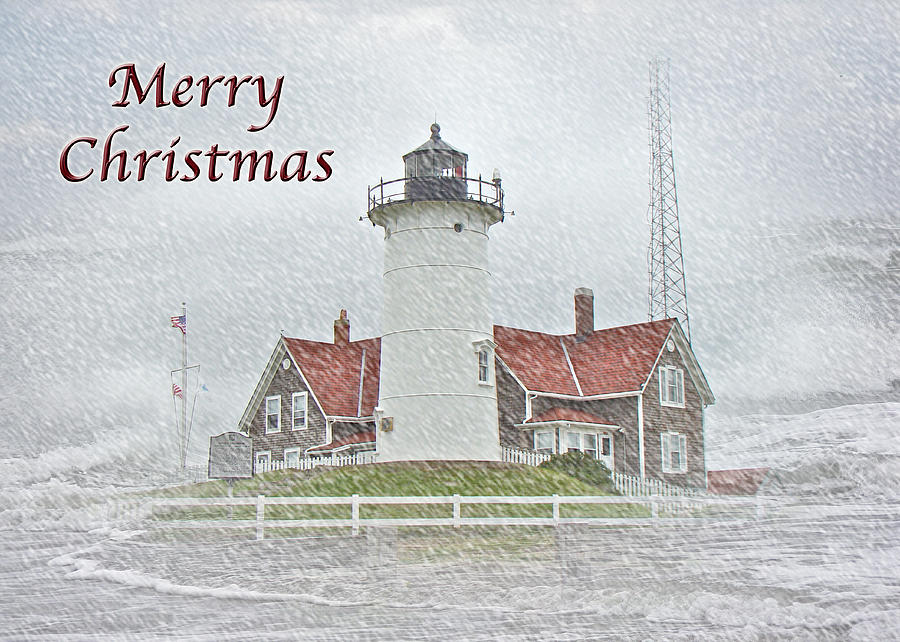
[584, 313]
[342, 329]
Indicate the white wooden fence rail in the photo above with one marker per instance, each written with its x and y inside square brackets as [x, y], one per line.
[680, 506]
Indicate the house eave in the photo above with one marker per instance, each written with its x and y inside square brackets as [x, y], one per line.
[568, 423]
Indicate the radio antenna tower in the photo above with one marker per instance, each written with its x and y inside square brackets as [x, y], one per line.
[668, 294]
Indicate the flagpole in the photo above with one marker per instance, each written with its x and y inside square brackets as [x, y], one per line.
[184, 386]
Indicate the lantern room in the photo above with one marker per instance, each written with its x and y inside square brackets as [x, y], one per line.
[435, 170]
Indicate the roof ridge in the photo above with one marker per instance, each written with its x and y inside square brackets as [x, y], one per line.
[572, 334]
[330, 343]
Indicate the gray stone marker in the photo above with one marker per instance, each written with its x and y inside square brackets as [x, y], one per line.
[230, 457]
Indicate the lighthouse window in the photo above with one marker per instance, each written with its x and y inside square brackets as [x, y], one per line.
[484, 368]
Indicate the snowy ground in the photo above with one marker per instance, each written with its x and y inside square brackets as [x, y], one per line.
[822, 565]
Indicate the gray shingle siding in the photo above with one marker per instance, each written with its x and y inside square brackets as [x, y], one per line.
[285, 383]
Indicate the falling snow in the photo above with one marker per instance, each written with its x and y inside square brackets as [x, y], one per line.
[784, 122]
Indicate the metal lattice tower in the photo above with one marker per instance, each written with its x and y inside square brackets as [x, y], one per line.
[668, 294]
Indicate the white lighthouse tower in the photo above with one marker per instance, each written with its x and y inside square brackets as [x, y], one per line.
[438, 394]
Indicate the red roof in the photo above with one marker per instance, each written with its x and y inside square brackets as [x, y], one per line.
[606, 362]
[568, 414]
[333, 373]
[355, 438]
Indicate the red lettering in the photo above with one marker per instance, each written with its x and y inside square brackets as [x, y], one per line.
[301, 168]
[187, 81]
[235, 83]
[171, 173]
[190, 162]
[64, 160]
[239, 157]
[107, 159]
[142, 157]
[205, 83]
[213, 154]
[131, 79]
[270, 100]
[320, 159]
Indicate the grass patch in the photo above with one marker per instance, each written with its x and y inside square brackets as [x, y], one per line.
[400, 478]
[403, 479]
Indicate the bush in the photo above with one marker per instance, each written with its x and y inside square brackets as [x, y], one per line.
[583, 468]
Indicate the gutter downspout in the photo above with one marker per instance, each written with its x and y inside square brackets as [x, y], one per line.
[529, 397]
[328, 440]
[640, 418]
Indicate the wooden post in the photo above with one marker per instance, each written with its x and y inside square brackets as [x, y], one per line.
[555, 509]
[354, 513]
[654, 510]
[230, 496]
[260, 515]
[456, 511]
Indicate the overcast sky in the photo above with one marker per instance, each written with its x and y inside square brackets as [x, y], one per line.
[785, 121]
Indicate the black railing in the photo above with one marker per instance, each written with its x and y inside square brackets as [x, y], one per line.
[435, 188]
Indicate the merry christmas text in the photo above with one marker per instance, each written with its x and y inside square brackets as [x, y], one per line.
[292, 166]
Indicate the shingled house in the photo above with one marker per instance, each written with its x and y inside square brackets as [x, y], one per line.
[632, 396]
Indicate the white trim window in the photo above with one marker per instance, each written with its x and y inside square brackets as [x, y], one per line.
[299, 407]
[484, 353]
[674, 452]
[484, 366]
[589, 444]
[292, 458]
[543, 441]
[671, 386]
[263, 459]
[273, 414]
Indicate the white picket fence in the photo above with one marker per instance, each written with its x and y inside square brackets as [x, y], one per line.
[308, 463]
[626, 484]
[519, 456]
[637, 487]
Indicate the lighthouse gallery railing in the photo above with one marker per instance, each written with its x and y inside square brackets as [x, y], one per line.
[443, 187]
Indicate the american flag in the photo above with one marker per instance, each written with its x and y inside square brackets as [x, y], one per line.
[176, 390]
[180, 323]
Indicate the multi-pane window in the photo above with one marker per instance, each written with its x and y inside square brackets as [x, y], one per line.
[263, 457]
[543, 442]
[292, 457]
[484, 367]
[671, 386]
[273, 414]
[589, 445]
[674, 452]
[596, 445]
[298, 410]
